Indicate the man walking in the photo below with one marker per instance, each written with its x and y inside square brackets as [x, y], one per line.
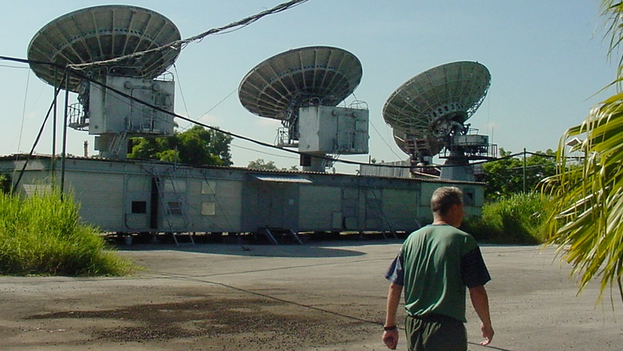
[435, 265]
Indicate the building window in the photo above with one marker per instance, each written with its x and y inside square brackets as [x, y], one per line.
[208, 187]
[208, 209]
[139, 206]
[469, 195]
[175, 208]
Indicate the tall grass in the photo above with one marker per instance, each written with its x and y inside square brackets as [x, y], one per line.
[42, 234]
[516, 219]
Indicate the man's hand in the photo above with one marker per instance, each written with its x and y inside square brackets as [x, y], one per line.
[480, 300]
[390, 338]
[487, 333]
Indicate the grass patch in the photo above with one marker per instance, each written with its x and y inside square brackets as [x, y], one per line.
[516, 219]
[43, 235]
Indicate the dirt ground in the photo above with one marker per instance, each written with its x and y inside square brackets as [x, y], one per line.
[319, 296]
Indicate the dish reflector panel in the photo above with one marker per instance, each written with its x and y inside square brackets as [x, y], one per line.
[425, 107]
[326, 75]
[103, 33]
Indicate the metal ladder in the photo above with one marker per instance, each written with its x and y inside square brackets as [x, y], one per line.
[179, 200]
[380, 213]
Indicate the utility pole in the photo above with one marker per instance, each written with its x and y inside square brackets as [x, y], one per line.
[64, 147]
[524, 170]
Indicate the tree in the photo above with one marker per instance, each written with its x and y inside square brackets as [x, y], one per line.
[506, 176]
[587, 207]
[5, 183]
[261, 164]
[270, 165]
[196, 146]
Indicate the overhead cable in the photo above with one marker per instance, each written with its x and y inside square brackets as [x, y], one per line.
[182, 43]
[261, 143]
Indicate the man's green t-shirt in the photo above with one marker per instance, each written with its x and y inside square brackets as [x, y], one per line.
[435, 265]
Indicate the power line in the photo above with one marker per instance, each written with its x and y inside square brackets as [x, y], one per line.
[261, 143]
[181, 44]
[234, 135]
[383, 139]
[263, 153]
[17, 67]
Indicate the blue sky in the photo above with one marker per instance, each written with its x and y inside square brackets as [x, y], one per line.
[547, 58]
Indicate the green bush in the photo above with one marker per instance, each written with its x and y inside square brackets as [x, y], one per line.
[42, 234]
[5, 183]
[516, 219]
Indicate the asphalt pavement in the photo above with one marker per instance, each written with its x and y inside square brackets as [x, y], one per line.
[329, 295]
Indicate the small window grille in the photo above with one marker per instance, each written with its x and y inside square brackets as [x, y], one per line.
[139, 206]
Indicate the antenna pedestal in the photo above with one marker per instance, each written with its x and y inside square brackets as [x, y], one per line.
[457, 168]
[311, 163]
[113, 146]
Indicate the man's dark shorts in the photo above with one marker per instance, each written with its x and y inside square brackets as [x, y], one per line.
[435, 333]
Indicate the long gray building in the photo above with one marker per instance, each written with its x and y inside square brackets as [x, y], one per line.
[128, 196]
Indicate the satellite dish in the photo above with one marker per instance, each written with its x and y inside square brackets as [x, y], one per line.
[277, 87]
[103, 33]
[432, 106]
[428, 114]
[302, 87]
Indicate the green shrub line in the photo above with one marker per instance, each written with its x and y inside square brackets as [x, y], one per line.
[43, 235]
[514, 219]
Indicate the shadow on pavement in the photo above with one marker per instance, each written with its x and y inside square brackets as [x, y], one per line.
[301, 251]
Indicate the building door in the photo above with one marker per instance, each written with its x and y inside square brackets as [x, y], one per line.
[278, 205]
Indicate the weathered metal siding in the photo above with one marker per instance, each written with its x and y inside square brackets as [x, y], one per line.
[101, 198]
[351, 209]
[249, 209]
[137, 193]
[215, 204]
[321, 208]
[147, 197]
[400, 207]
[270, 200]
[425, 216]
[374, 218]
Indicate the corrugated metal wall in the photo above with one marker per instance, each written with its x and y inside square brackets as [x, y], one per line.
[321, 208]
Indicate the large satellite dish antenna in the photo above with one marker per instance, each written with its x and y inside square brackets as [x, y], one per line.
[428, 113]
[109, 33]
[318, 75]
[292, 83]
[103, 33]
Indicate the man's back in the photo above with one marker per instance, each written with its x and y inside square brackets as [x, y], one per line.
[432, 271]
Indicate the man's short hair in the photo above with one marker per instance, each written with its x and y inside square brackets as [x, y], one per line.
[444, 198]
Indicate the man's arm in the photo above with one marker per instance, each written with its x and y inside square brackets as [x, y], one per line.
[480, 301]
[390, 337]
